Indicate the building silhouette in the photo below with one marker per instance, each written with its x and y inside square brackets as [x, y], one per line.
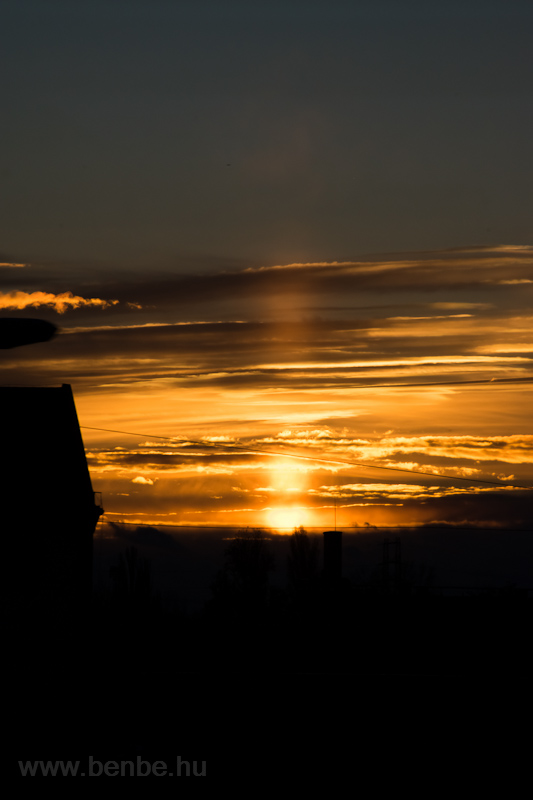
[49, 512]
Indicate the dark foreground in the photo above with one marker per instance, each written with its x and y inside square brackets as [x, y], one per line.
[247, 690]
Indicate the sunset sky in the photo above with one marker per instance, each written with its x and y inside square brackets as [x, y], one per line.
[272, 229]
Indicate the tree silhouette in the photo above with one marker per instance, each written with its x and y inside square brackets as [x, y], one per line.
[302, 566]
[131, 578]
[241, 586]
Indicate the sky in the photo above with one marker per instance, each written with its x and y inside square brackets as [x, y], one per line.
[273, 230]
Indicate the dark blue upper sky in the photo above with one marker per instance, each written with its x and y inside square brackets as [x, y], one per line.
[147, 133]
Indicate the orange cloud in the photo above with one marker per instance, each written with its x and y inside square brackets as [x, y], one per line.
[59, 302]
[516, 281]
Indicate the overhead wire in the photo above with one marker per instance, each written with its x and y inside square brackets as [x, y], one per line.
[259, 451]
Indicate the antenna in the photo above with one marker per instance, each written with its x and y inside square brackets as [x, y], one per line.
[335, 507]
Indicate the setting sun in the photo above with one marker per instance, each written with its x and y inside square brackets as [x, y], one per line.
[287, 518]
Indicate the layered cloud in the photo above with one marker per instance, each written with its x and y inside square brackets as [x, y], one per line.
[433, 457]
[305, 475]
[281, 391]
[489, 271]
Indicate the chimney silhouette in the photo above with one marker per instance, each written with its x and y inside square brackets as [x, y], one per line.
[332, 559]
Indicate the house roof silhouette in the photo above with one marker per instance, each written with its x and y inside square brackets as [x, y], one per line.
[48, 511]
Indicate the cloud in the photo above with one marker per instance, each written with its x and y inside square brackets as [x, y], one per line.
[11, 265]
[194, 285]
[452, 306]
[58, 302]
[217, 285]
[515, 282]
[343, 455]
[317, 359]
[401, 491]
[512, 448]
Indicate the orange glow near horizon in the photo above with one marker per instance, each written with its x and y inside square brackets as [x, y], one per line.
[206, 485]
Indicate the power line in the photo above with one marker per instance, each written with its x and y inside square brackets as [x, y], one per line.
[258, 451]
